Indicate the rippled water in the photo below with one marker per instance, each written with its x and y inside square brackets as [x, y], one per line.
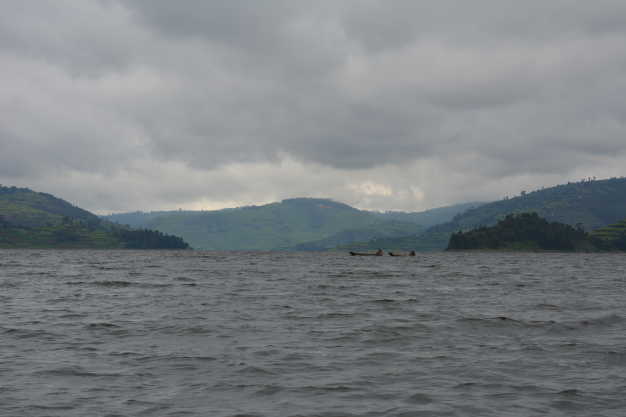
[95, 333]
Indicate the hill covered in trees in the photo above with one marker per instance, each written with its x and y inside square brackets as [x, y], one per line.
[431, 217]
[292, 224]
[591, 204]
[29, 219]
[390, 228]
[525, 231]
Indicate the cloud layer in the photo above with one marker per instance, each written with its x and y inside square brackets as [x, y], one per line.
[149, 104]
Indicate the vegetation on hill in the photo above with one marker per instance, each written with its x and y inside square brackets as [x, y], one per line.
[22, 207]
[591, 204]
[430, 217]
[387, 229]
[276, 226]
[30, 219]
[143, 218]
[402, 243]
[612, 236]
[292, 224]
[525, 231]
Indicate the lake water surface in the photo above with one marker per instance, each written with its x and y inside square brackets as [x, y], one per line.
[148, 333]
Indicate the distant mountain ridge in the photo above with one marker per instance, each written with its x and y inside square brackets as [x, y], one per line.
[431, 217]
[291, 224]
[389, 228]
[30, 219]
[590, 203]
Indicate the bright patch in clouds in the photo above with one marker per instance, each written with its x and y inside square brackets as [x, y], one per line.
[369, 188]
[144, 104]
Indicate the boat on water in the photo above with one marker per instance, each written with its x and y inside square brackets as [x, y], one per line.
[412, 253]
[379, 252]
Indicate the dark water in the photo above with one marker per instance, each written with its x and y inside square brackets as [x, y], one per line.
[95, 333]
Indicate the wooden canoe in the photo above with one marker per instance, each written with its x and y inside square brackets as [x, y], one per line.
[377, 253]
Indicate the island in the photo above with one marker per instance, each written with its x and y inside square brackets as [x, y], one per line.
[530, 232]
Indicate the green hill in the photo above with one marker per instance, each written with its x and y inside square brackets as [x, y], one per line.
[30, 219]
[292, 224]
[590, 204]
[22, 207]
[276, 226]
[429, 218]
[525, 231]
[612, 231]
[612, 236]
[388, 229]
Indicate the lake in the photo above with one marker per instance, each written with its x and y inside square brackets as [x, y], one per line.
[190, 333]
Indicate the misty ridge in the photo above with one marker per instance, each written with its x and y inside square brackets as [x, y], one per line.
[31, 219]
[318, 224]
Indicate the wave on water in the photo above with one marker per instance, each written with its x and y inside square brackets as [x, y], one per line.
[168, 358]
[296, 335]
[420, 398]
[25, 333]
[184, 279]
[504, 322]
[393, 300]
[78, 371]
[121, 284]
[102, 325]
[9, 284]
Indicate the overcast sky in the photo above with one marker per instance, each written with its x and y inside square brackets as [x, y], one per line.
[120, 105]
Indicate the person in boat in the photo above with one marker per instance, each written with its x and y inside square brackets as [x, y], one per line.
[412, 253]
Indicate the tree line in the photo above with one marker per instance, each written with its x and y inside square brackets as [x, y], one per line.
[524, 231]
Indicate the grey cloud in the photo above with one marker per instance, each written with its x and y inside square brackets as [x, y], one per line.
[245, 23]
[487, 90]
[86, 38]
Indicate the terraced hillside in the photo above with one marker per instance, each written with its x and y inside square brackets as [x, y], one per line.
[612, 236]
[612, 231]
[30, 219]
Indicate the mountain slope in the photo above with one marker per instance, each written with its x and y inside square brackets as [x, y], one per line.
[386, 229]
[25, 208]
[292, 224]
[272, 226]
[590, 204]
[430, 217]
[30, 219]
[611, 232]
[523, 231]
[611, 237]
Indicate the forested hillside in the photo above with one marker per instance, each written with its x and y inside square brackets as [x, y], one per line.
[525, 231]
[388, 229]
[30, 219]
[590, 203]
[276, 226]
[292, 224]
[430, 217]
